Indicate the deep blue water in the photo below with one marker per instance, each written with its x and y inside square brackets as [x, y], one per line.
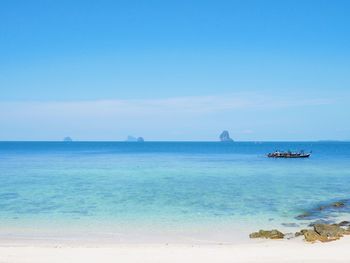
[166, 183]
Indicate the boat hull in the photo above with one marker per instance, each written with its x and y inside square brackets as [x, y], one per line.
[289, 156]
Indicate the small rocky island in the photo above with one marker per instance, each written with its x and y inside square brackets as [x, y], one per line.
[225, 137]
[67, 139]
[134, 139]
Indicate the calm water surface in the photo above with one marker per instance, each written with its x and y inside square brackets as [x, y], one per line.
[174, 185]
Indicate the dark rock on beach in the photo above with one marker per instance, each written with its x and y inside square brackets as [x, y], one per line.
[321, 221]
[312, 236]
[269, 234]
[323, 233]
[331, 232]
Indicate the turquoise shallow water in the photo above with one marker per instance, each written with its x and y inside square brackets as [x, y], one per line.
[172, 185]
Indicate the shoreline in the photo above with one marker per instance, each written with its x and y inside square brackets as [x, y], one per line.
[273, 251]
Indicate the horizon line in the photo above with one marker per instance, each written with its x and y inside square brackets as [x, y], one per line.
[146, 141]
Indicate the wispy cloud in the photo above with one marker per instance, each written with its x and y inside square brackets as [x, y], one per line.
[131, 108]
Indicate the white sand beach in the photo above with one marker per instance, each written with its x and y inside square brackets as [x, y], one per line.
[262, 251]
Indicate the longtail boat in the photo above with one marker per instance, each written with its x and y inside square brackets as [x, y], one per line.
[288, 154]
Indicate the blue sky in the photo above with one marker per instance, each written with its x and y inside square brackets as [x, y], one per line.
[174, 70]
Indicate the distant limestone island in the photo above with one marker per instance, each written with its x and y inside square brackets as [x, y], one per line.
[134, 139]
[128, 139]
[225, 137]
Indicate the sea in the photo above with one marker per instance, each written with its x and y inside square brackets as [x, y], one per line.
[167, 191]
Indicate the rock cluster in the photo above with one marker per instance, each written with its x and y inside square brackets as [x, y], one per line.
[323, 233]
[322, 230]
